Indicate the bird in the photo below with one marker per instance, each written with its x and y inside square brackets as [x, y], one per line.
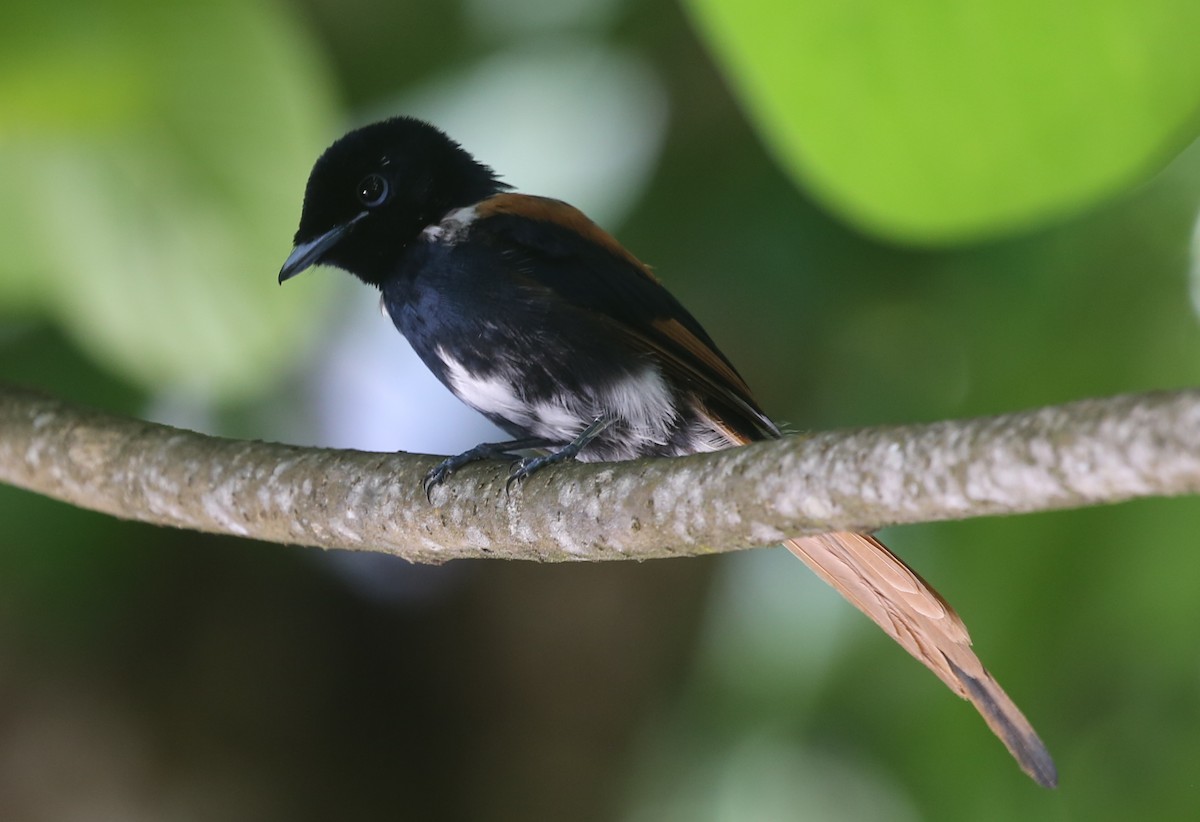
[538, 318]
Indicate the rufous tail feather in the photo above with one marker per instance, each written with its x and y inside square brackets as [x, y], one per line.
[880, 585]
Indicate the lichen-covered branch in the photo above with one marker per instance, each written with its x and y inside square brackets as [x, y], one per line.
[1083, 453]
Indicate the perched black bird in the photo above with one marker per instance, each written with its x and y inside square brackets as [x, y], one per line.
[539, 319]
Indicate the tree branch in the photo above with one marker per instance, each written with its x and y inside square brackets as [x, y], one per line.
[1083, 453]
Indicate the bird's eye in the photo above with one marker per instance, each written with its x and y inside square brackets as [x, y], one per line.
[373, 190]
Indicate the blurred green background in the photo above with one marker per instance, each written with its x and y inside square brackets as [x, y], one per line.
[881, 217]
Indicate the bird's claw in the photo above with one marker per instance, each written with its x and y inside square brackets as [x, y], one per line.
[522, 468]
[442, 471]
[436, 476]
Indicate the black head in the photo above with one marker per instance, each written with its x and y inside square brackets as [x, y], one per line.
[373, 191]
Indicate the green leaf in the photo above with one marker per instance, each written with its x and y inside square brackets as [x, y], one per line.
[937, 122]
[160, 154]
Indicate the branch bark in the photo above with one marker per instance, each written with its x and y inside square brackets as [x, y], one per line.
[1083, 453]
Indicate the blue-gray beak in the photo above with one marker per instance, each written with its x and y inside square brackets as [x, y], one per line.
[309, 254]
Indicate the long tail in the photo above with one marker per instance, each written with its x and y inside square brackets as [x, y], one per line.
[880, 585]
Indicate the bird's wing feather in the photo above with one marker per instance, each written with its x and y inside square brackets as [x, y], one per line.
[586, 267]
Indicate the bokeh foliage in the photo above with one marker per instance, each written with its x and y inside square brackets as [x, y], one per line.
[146, 151]
[940, 122]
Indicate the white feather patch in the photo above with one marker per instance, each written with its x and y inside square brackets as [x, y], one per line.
[641, 404]
[451, 228]
[491, 395]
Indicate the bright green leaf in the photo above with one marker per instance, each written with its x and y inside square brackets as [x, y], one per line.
[932, 121]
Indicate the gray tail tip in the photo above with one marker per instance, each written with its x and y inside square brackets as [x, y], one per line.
[1015, 732]
[1035, 760]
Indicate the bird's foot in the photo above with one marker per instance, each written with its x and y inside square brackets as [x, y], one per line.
[484, 451]
[523, 468]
